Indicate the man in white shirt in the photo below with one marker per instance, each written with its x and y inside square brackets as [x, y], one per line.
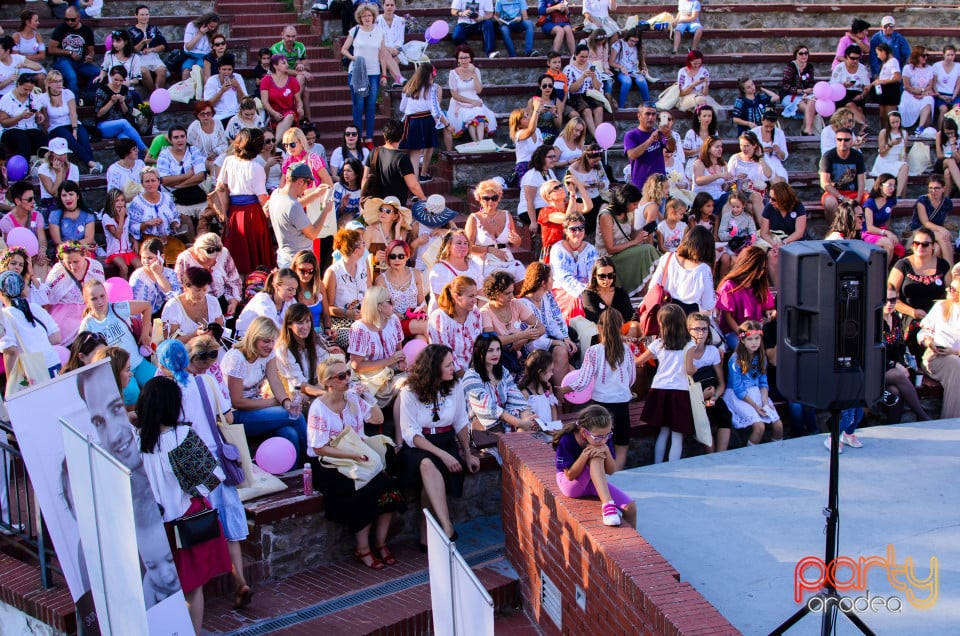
[225, 90]
[473, 16]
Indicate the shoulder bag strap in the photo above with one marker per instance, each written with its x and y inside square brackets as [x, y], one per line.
[12, 325]
[211, 419]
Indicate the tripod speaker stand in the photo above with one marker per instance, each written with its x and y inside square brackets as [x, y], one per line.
[829, 356]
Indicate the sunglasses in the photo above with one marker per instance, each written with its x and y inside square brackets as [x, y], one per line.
[923, 243]
[487, 335]
[71, 20]
[893, 300]
[491, 197]
[293, 144]
[206, 113]
[212, 250]
[26, 200]
[855, 58]
[844, 139]
[343, 375]
[205, 357]
[606, 276]
[803, 52]
[387, 210]
[397, 257]
[597, 438]
[350, 134]
[269, 141]
[219, 43]
[93, 336]
[576, 228]
[546, 86]
[559, 186]
[306, 272]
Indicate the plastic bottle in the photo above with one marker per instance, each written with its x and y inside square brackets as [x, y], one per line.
[307, 480]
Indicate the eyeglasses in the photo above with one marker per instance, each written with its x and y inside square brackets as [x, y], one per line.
[397, 257]
[892, 300]
[923, 55]
[206, 113]
[934, 189]
[387, 210]
[606, 276]
[205, 356]
[343, 375]
[803, 52]
[490, 197]
[212, 250]
[575, 228]
[844, 139]
[597, 438]
[923, 243]
[350, 133]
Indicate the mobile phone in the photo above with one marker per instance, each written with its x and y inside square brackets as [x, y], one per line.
[663, 120]
[650, 227]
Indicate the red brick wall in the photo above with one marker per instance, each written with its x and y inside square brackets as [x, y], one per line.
[630, 588]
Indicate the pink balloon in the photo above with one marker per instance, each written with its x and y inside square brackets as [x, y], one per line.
[118, 289]
[439, 29]
[821, 90]
[837, 92]
[108, 43]
[606, 135]
[412, 349]
[825, 107]
[577, 397]
[276, 455]
[160, 100]
[23, 237]
[17, 168]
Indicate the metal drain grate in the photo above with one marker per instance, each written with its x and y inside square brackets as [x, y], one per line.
[346, 601]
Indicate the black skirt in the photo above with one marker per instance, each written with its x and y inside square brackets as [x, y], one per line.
[343, 503]
[669, 407]
[409, 460]
[890, 95]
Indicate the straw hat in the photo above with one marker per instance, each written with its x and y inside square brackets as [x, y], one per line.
[371, 211]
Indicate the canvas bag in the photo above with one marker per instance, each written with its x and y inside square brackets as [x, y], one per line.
[360, 472]
[668, 99]
[30, 367]
[701, 422]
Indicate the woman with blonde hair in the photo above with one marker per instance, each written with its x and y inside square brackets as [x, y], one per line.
[295, 144]
[209, 253]
[654, 193]
[456, 322]
[60, 105]
[247, 366]
[710, 173]
[453, 260]
[368, 42]
[492, 232]
[345, 283]
[569, 143]
[375, 346]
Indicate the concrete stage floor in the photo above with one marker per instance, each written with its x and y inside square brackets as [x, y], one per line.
[735, 524]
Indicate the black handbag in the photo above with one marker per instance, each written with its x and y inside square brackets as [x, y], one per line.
[174, 61]
[706, 376]
[200, 527]
[191, 195]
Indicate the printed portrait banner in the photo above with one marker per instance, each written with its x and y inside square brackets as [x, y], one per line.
[104, 505]
[90, 401]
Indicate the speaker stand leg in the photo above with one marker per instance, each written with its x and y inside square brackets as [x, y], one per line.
[830, 600]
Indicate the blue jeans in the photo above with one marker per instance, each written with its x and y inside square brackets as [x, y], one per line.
[365, 105]
[462, 30]
[849, 418]
[628, 81]
[803, 419]
[275, 422]
[79, 146]
[121, 129]
[523, 25]
[71, 71]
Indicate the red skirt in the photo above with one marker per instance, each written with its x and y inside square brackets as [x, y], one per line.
[199, 564]
[248, 238]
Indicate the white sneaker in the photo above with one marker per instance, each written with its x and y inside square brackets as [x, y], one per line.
[494, 54]
[851, 440]
[611, 515]
[826, 442]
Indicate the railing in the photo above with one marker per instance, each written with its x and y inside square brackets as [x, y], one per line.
[16, 502]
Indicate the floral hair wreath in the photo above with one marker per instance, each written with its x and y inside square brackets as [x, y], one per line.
[10, 253]
[69, 247]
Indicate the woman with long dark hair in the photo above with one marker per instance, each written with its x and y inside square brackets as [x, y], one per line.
[744, 293]
[248, 231]
[298, 353]
[628, 248]
[492, 393]
[433, 423]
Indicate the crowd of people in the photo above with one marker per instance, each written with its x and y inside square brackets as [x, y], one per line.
[319, 292]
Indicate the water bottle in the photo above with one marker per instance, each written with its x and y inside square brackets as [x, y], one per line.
[307, 480]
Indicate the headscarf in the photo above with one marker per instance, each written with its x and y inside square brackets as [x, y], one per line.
[11, 286]
[173, 357]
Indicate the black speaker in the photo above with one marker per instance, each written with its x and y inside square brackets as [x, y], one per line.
[829, 313]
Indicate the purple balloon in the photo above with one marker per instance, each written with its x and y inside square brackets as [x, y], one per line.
[276, 455]
[160, 100]
[108, 43]
[17, 168]
[440, 29]
[821, 90]
[606, 135]
[837, 92]
[825, 107]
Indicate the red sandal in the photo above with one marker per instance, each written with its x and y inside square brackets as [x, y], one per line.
[375, 563]
[386, 556]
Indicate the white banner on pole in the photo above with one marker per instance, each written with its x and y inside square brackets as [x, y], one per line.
[104, 505]
[461, 605]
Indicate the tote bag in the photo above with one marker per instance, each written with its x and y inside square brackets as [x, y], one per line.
[30, 367]
[701, 422]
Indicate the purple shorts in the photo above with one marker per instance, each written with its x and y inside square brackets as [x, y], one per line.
[582, 486]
